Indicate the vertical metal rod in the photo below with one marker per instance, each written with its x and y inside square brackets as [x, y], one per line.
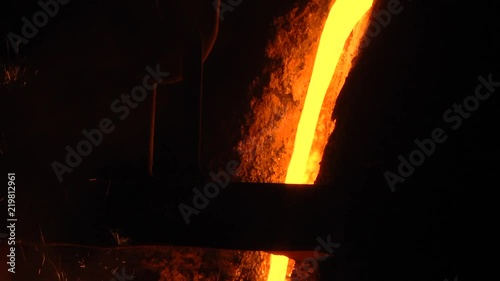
[152, 132]
[193, 79]
[200, 120]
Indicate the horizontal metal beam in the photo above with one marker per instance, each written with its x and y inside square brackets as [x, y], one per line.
[252, 216]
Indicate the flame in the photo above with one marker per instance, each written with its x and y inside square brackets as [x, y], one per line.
[342, 18]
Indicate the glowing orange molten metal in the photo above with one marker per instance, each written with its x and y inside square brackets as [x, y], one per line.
[342, 18]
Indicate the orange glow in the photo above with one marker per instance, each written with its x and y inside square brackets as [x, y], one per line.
[342, 18]
[277, 272]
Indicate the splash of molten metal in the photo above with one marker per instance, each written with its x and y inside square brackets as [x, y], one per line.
[342, 18]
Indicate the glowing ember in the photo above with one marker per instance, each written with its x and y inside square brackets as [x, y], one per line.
[342, 18]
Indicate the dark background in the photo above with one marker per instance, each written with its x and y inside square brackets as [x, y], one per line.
[438, 224]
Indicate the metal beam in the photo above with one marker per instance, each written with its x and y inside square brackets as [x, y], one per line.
[252, 216]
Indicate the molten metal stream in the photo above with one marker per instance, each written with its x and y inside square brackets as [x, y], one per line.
[342, 18]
